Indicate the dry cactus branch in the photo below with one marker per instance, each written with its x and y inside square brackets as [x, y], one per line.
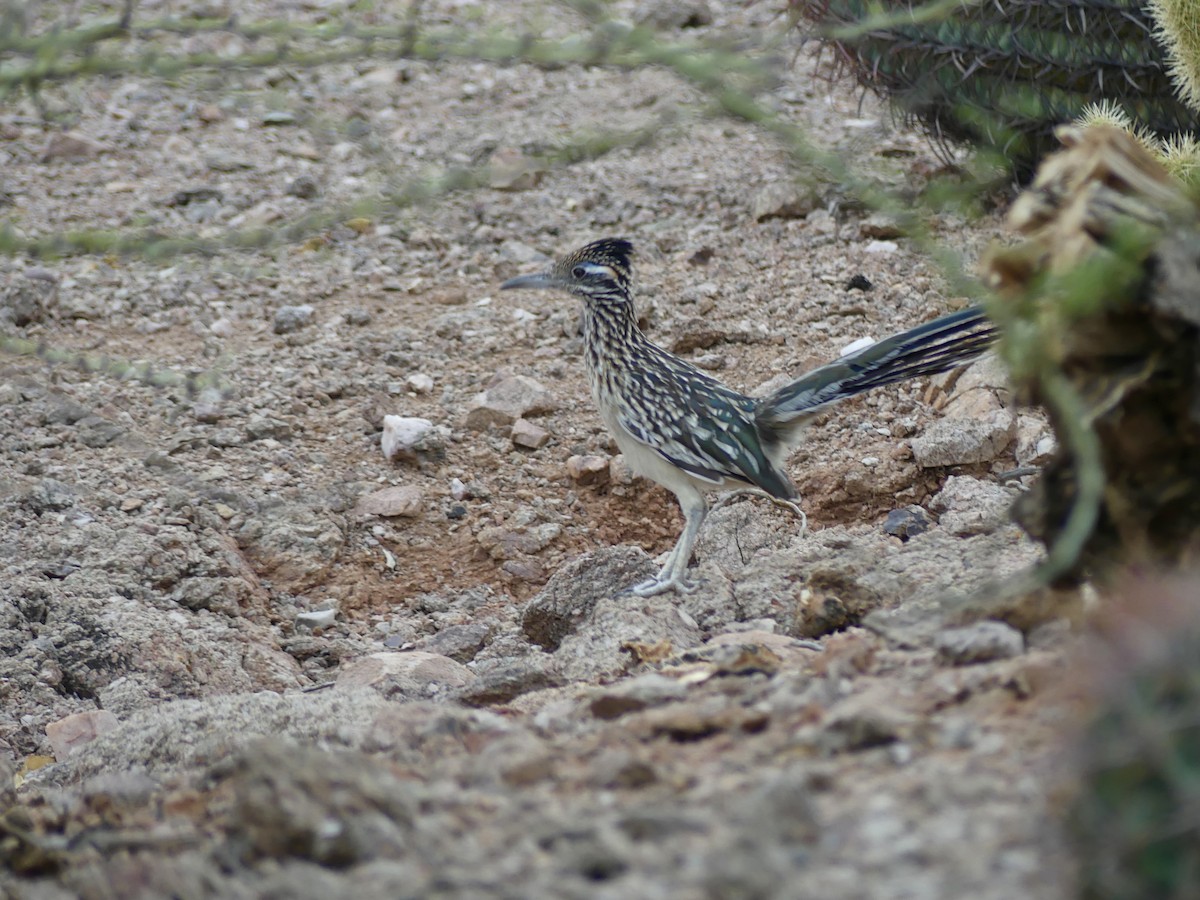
[1103, 302]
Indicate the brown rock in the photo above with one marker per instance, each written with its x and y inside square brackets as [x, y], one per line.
[512, 170]
[783, 200]
[588, 469]
[507, 400]
[67, 735]
[413, 669]
[70, 145]
[404, 500]
[526, 434]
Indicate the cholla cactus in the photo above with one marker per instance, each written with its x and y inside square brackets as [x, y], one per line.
[1005, 74]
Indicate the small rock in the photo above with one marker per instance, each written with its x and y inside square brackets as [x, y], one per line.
[503, 542]
[619, 470]
[863, 721]
[260, 428]
[458, 490]
[419, 383]
[27, 302]
[507, 400]
[317, 618]
[961, 441]
[279, 117]
[526, 434]
[637, 694]
[969, 505]
[783, 200]
[587, 469]
[412, 439]
[460, 643]
[210, 113]
[506, 682]
[676, 14]
[512, 170]
[225, 162]
[405, 672]
[69, 734]
[292, 318]
[1035, 442]
[303, 186]
[70, 145]
[979, 643]
[49, 495]
[906, 523]
[575, 589]
[881, 247]
[405, 500]
[880, 225]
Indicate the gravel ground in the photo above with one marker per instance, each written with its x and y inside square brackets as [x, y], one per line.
[267, 661]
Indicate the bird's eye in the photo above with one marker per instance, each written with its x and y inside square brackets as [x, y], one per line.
[579, 272]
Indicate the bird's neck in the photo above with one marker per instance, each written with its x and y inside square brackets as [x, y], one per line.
[610, 332]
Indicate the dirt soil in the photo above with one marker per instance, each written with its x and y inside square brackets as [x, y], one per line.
[290, 696]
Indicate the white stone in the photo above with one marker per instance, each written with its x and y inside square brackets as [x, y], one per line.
[405, 435]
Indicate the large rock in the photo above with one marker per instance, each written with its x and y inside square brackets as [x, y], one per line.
[507, 400]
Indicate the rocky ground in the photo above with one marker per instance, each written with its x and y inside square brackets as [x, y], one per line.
[245, 654]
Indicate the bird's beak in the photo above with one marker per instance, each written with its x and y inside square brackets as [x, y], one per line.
[530, 282]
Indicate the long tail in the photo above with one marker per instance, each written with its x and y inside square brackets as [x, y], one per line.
[936, 346]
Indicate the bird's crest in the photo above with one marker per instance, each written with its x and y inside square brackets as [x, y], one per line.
[607, 258]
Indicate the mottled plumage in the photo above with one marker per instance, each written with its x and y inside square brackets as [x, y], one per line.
[684, 429]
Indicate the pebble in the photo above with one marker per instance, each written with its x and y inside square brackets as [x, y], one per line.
[419, 383]
[675, 14]
[222, 327]
[587, 469]
[292, 318]
[979, 643]
[70, 145]
[410, 437]
[404, 500]
[906, 523]
[783, 200]
[507, 400]
[511, 170]
[882, 247]
[636, 694]
[460, 643]
[416, 668]
[304, 187]
[68, 734]
[962, 441]
[317, 618]
[968, 506]
[526, 434]
[880, 225]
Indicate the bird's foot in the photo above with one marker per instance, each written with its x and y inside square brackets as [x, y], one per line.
[791, 505]
[652, 586]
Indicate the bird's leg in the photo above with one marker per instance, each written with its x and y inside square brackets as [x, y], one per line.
[671, 576]
[791, 505]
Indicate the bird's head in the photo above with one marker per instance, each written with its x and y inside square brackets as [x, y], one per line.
[599, 271]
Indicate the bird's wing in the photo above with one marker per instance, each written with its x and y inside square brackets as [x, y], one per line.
[697, 424]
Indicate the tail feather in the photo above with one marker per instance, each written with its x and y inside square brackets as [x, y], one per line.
[928, 349]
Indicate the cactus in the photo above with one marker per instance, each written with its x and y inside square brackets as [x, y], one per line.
[1178, 31]
[1005, 74]
[1135, 819]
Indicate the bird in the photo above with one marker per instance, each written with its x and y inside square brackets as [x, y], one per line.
[684, 429]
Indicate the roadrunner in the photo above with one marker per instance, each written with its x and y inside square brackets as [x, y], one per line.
[693, 435]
